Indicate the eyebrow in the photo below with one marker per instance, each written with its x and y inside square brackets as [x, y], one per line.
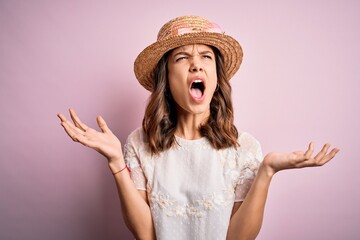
[189, 54]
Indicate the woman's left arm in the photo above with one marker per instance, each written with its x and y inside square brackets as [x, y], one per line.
[246, 222]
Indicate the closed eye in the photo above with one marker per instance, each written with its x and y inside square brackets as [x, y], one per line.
[181, 58]
[207, 56]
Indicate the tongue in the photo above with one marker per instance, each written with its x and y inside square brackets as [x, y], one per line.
[196, 93]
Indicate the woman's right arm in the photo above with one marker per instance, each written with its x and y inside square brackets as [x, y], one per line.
[135, 207]
[134, 204]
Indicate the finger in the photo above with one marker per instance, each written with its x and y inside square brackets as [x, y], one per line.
[310, 151]
[322, 153]
[329, 156]
[75, 133]
[299, 160]
[84, 140]
[102, 124]
[72, 130]
[62, 117]
[68, 129]
[78, 123]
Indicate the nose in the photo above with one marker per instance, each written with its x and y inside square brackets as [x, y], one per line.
[196, 65]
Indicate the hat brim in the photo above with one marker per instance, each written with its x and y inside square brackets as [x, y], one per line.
[147, 60]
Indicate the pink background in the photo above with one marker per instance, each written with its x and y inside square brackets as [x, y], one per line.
[299, 82]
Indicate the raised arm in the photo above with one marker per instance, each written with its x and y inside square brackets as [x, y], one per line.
[135, 209]
[247, 219]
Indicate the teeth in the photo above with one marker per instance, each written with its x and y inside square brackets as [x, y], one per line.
[197, 81]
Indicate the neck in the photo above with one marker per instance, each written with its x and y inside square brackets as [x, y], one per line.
[188, 125]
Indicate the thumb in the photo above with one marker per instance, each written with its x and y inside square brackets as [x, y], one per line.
[102, 124]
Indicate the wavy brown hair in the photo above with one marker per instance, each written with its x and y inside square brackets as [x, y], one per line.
[160, 117]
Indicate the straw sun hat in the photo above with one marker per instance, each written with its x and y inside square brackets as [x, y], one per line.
[181, 31]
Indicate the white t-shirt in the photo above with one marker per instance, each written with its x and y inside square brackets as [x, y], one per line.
[192, 187]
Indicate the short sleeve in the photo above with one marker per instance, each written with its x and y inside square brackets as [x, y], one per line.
[133, 162]
[250, 157]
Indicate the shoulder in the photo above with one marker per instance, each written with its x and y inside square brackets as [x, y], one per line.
[247, 139]
[135, 140]
[136, 136]
[249, 144]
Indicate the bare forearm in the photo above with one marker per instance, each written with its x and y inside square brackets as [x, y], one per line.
[136, 211]
[247, 221]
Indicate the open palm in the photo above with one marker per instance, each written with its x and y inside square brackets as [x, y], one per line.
[279, 161]
[105, 142]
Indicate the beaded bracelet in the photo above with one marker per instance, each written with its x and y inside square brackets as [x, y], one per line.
[126, 167]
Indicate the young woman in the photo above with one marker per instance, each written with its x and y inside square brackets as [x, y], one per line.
[187, 173]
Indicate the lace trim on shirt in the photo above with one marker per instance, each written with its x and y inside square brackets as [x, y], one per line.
[185, 144]
[137, 176]
[196, 209]
[251, 147]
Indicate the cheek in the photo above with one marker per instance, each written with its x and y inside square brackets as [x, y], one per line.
[175, 88]
[177, 81]
[213, 80]
[173, 81]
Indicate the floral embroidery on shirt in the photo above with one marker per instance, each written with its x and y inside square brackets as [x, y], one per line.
[193, 211]
[208, 204]
[162, 200]
[196, 209]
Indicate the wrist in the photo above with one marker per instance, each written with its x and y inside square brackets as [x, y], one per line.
[119, 171]
[266, 170]
[116, 165]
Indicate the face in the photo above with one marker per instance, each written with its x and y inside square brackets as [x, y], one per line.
[192, 78]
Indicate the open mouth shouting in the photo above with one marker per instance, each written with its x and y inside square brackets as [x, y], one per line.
[197, 89]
